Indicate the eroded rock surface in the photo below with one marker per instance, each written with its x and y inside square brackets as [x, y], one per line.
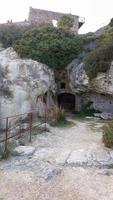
[24, 151]
[79, 81]
[98, 92]
[21, 82]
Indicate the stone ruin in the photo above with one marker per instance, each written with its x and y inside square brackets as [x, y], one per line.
[38, 17]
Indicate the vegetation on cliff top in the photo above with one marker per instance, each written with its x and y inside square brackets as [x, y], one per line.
[10, 33]
[100, 58]
[49, 45]
[66, 22]
[58, 46]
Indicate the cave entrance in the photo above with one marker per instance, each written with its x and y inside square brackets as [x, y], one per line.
[66, 101]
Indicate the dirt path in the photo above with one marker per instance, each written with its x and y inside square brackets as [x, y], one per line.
[68, 164]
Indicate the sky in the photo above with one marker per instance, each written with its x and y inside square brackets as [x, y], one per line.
[97, 13]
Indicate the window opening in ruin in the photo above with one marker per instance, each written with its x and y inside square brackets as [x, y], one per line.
[62, 85]
[54, 22]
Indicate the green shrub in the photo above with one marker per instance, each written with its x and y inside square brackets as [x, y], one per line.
[10, 146]
[86, 111]
[99, 59]
[39, 130]
[11, 32]
[3, 154]
[108, 134]
[49, 45]
[66, 22]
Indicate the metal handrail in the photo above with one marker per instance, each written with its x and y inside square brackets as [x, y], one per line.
[29, 128]
[14, 116]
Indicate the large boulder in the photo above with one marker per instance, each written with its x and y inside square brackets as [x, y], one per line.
[79, 80]
[104, 115]
[21, 82]
[23, 151]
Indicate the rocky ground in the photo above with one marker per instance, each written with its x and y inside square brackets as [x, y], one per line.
[64, 164]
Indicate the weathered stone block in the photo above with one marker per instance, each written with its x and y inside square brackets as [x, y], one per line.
[24, 151]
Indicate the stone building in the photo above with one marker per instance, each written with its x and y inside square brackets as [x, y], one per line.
[38, 17]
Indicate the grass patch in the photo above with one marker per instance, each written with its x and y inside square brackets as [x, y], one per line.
[4, 154]
[85, 112]
[108, 134]
[10, 146]
[40, 129]
[60, 120]
[61, 124]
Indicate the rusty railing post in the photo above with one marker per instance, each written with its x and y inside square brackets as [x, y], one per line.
[6, 134]
[55, 107]
[45, 116]
[30, 126]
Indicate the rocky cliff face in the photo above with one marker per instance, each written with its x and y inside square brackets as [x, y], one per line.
[21, 82]
[79, 80]
[99, 92]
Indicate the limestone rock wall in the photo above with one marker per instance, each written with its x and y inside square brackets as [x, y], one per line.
[78, 79]
[102, 103]
[21, 82]
[99, 91]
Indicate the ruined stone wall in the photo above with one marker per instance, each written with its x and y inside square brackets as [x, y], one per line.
[38, 17]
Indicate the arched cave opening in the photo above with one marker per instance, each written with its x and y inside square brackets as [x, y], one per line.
[66, 101]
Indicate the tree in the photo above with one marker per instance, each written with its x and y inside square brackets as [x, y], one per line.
[100, 58]
[52, 46]
[11, 32]
[66, 22]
